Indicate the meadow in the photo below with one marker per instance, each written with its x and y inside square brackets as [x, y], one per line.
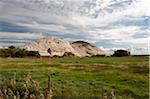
[124, 77]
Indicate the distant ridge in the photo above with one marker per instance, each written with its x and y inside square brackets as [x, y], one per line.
[58, 47]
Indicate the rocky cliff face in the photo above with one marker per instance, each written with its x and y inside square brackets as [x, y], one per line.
[86, 49]
[57, 47]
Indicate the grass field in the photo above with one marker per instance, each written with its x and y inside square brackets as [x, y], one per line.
[84, 77]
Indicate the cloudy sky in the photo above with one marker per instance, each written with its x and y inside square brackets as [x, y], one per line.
[108, 24]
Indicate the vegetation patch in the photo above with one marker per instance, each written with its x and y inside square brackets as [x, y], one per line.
[95, 77]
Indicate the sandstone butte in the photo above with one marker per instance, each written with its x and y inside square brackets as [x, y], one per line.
[58, 47]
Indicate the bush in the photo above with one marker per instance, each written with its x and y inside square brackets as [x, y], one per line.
[120, 53]
[11, 47]
[68, 54]
[24, 88]
[16, 52]
[32, 53]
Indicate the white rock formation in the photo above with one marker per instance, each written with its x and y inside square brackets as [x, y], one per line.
[57, 47]
[86, 49]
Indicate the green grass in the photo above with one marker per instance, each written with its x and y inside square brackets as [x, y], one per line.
[84, 77]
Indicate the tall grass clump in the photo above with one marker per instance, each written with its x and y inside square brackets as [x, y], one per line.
[24, 88]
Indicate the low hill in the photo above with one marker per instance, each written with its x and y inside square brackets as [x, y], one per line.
[86, 49]
[58, 47]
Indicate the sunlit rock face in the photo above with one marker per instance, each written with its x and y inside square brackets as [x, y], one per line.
[54, 46]
[86, 49]
[57, 47]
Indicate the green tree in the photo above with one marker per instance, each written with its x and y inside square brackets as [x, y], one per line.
[120, 53]
[11, 47]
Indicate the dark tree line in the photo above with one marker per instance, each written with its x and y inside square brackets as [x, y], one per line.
[12, 51]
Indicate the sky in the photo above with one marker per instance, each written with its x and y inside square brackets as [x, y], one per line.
[108, 24]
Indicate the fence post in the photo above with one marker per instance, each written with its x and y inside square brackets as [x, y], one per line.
[14, 80]
[49, 83]
[49, 93]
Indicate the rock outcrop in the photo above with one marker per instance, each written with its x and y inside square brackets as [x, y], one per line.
[58, 47]
[86, 49]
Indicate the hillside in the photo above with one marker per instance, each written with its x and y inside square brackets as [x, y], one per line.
[58, 47]
[86, 49]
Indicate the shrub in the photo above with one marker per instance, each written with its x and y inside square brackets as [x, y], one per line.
[68, 54]
[16, 52]
[33, 53]
[120, 53]
[24, 88]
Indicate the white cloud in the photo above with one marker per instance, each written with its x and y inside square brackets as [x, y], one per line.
[48, 27]
[94, 19]
[9, 35]
[116, 33]
[139, 42]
